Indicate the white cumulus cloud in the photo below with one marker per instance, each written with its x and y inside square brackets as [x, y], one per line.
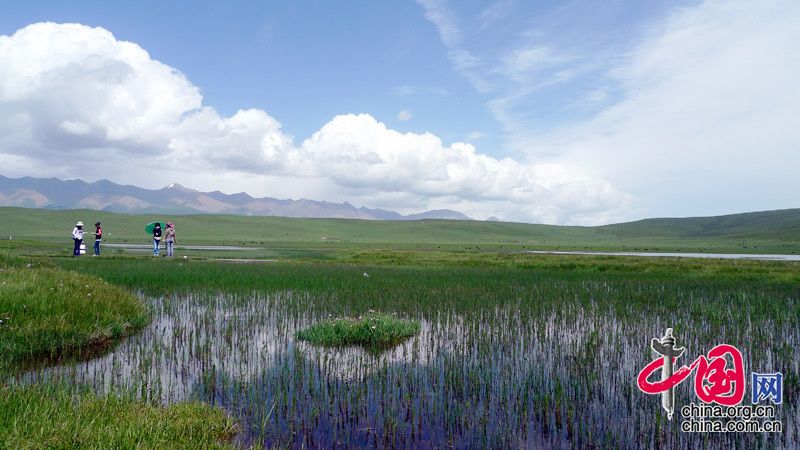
[68, 91]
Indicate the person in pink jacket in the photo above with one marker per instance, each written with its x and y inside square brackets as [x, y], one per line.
[169, 238]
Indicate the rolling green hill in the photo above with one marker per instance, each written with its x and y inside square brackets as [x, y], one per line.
[758, 232]
[780, 224]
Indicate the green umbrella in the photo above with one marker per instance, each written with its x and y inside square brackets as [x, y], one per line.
[150, 226]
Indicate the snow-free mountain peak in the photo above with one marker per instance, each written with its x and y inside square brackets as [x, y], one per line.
[104, 195]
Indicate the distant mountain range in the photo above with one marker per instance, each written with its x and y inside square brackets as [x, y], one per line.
[52, 193]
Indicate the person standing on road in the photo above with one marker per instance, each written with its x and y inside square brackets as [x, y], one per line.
[77, 237]
[169, 238]
[156, 238]
[98, 236]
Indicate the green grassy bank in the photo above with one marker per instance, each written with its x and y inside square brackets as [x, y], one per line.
[52, 417]
[47, 314]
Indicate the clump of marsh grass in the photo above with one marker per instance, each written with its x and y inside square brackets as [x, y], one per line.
[374, 331]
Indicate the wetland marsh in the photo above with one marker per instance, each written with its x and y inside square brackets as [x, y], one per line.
[521, 357]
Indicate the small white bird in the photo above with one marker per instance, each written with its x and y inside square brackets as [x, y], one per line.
[366, 275]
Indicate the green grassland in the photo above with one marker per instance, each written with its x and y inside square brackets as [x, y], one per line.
[472, 273]
[49, 313]
[426, 269]
[764, 232]
[52, 417]
[503, 300]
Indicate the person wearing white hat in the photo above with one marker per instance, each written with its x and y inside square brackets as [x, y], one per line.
[77, 236]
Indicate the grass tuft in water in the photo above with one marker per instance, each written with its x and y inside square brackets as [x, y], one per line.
[374, 331]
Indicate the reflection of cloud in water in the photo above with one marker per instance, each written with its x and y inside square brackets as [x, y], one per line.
[187, 338]
[240, 338]
[512, 371]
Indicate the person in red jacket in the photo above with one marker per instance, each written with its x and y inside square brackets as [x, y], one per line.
[98, 236]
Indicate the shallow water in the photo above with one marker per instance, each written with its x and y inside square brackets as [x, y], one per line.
[759, 257]
[502, 377]
[149, 247]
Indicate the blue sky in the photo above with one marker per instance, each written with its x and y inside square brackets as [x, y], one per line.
[304, 62]
[578, 112]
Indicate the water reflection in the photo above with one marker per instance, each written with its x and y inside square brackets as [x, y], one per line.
[508, 376]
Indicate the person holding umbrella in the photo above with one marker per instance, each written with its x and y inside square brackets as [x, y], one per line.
[156, 238]
[77, 237]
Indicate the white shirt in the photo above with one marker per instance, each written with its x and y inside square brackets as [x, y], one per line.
[77, 233]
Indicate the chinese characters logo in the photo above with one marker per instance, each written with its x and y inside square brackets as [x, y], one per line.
[719, 376]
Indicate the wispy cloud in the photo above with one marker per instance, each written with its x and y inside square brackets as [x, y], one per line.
[494, 12]
[526, 63]
[404, 115]
[698, 125]
[444, 19]
[407, 90]
[440, 14]
[511, 76]
[659, 108]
